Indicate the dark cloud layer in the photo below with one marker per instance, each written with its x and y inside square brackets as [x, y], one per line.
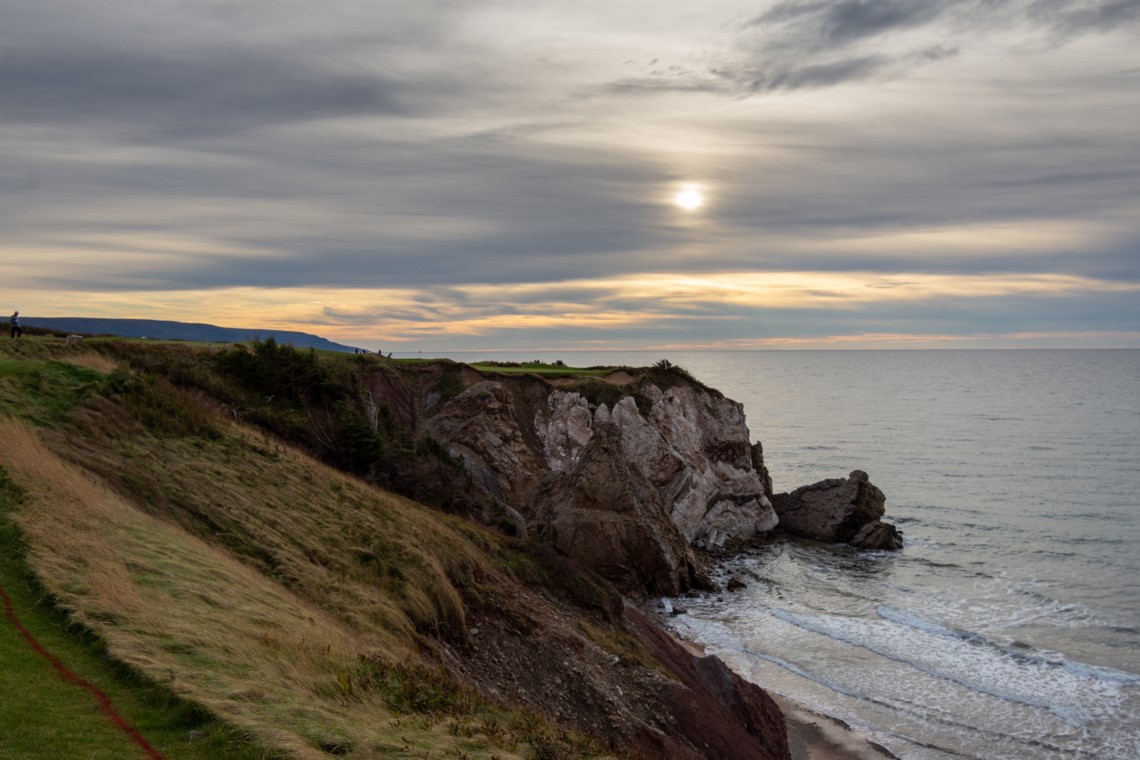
[1068, 18]
[180, 93]
[822, 25]
[813, 43]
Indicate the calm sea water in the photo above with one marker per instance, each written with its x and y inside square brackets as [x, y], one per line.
[1009, 625]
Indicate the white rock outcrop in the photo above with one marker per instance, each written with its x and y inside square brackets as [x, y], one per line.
[691, 445]
[628, 478]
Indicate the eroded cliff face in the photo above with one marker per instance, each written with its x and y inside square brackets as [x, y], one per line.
[629, 486]
[628, 473]
[692, 447]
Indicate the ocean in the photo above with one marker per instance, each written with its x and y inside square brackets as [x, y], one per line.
[1009, 625]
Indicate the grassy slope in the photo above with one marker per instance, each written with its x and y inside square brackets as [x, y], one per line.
[53, 718]
[282, 596]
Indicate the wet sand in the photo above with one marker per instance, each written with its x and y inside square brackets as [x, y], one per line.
[813, 736]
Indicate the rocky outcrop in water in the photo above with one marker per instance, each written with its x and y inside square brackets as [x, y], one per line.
[838, 510]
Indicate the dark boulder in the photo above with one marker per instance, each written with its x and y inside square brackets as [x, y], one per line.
[838, 510]
[877, 535]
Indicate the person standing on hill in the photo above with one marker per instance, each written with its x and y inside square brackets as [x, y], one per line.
[15, 320]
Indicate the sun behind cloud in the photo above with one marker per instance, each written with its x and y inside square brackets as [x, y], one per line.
[690, 197]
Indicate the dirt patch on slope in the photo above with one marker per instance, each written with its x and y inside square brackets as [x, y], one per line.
[615, 675]
[621, 377]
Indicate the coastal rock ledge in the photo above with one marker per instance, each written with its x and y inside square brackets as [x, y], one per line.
[631, 473]
[628, 473]
[838, 510]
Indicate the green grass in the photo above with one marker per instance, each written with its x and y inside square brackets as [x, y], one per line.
[541, 368]
[20, 368]
[43, 392]
[42, 715]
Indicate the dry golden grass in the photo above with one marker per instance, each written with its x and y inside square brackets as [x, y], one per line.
[273, 658]
[378, 561]
[92, 361]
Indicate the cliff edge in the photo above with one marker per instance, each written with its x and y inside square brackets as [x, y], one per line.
[627, 473]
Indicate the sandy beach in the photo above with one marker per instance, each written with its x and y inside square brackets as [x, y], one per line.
[814, 736]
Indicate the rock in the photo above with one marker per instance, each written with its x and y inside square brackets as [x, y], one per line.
[607, 516]
[692, 446]
[516, 517]
[681, 474]
[760, 468]
[877, 535]
[481, 426]
[735, 584]
[716, 495]
[837, 511]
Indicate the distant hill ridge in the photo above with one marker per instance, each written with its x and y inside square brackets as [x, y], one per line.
[167, 330]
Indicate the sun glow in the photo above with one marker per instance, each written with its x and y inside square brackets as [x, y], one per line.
[690, 198]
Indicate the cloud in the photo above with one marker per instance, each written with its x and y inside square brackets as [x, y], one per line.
[822, 43]
[823, 25]
[817, 25]
[690, 83]
[821, 74]
[1067, 19]
[665, 309]
[506, 168]
[147, 70]
[181, 93]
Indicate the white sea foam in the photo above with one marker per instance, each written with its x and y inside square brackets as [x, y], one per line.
[1016, 653]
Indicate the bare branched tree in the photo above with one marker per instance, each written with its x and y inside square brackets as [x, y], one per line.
[371, 410]
[324, 431]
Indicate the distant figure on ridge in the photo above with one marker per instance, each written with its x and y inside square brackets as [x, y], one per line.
[15, 320]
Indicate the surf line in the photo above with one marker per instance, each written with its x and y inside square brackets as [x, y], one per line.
[69, 675]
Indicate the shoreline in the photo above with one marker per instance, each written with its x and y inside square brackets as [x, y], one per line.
[815, 736]
[812, 735]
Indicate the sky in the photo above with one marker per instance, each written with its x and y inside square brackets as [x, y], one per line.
[433, 175]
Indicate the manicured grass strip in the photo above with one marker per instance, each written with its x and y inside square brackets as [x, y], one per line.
[67, 674]
[542, 368]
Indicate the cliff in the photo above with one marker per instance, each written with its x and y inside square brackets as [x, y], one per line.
[168, 500]
[181, 508]
[627, 472]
